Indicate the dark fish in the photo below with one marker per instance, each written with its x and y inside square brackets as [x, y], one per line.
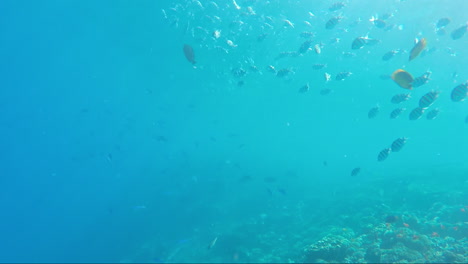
[325, 91]
[305, 46]
[238, 72]
[466, 119]
[307, 34]
[355, 171]
[358, 43]
[342, 75]
[282, 191]
[398, 144]
[432, 114]
[391, 219]
[254, 68]
[421, 80]
[399, 98]
[161, 138]
[245, 178]
[285, 54]
[269, 179]
[332, 22]
[269, 191]
[318, 66]
[240, 83]
[397, 112]
[373, 112]
[460, 92]
[348, 54]
[304, 88]
[378, 22]
[428, 99]
[283, 73]
[459, 32]
[383, 155]
[403, 78]
[416, 113]
[386, 16]
[336, 6]
[189, 54]
[418, 47]
[443, 22]
[387, 56]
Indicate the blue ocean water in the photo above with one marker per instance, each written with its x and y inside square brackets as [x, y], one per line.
[115, 148]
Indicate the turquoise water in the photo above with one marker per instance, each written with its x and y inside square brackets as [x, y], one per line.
[115, 148]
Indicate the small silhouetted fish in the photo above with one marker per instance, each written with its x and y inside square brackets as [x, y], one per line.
[109, 157]
[283, 73]
[304, 88]
[305, 46]
[459, 32]
[332, 22]
[397, 112]
[348, 54]
[355, 171]
[189, 54]
[238, 72]
[282, 191]
[318, 66]
[428, 99]
[379, 23]
[271, 69]
[269, 179]
[398, 144]
[286, 54]
[421, 80]
[342, 75]
[466, 119]
[391, 219]
[373, 112]
[336, 6]
[325, 91]
[269, 191]
[399, 98]
[460, 92]
[443, 22]
[245, 178]
[383, 155]
[358, 43]
[161, 138]
[416, 113]
[387, 56]
[240, 83]
[307, 34]
[432, 114]
[213, 243]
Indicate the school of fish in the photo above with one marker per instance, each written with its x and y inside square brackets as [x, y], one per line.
[207, 31]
